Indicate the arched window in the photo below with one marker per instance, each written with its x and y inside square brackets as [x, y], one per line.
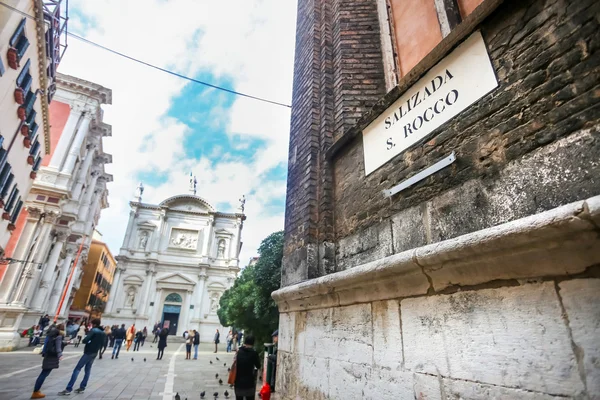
[174, 298]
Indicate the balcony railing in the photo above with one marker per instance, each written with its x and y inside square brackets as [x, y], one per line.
[56, 15]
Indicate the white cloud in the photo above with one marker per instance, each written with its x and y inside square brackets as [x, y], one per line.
[250, 42]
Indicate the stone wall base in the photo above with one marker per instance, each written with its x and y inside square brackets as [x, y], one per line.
[509, 312]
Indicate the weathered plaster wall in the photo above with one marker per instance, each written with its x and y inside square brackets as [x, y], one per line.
[534, 340]
[530, 145]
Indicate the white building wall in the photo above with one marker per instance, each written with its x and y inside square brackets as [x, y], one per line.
[173, 248]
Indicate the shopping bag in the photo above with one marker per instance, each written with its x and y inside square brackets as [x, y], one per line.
[232, 373]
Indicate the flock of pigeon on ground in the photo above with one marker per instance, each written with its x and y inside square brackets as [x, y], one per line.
[203, 393]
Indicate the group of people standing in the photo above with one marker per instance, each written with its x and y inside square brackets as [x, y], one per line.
[56, 340]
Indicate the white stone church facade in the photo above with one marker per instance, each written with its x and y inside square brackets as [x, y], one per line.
[176, 261]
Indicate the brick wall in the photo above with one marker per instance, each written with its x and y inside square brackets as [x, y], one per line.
[338, 75]
[531, 145]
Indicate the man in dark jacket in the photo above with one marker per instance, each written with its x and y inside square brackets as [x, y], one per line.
[272, 359]
[246, 360]
[196, 343]
[120, 334]
[93, 341]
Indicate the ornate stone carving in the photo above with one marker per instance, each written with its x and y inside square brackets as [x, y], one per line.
[143, 240]
[214, 302]
[34, 212]
[184, 239]
[221, 249]
[131, 294]
[51, 217]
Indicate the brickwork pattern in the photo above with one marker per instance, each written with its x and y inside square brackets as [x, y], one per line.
[338, 75]
[547, 59]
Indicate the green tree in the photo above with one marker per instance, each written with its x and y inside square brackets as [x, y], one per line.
[248, 304]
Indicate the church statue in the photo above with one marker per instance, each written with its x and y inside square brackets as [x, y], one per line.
[242, 203]
[143, 240]
[221, 249]
[214, 302]
[130, 297]
[139, 191]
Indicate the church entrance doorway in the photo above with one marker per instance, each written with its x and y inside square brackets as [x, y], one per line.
[171, 312]
[171, 318]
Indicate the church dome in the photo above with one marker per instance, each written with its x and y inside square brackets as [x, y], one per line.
[188, 202]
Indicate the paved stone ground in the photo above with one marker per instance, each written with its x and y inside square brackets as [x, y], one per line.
[122, 378]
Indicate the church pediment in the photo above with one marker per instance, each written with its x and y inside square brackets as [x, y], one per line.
[188, 203]
[175, 279]
[133, 280]
[146, 225]
[223, 232]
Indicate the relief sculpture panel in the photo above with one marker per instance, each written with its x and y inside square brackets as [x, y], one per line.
[184, 239]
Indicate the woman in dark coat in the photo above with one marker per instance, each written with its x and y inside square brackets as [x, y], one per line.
[245, 379]
[162, 342]
[52, 353]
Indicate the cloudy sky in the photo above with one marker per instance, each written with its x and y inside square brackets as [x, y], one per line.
[164, 127]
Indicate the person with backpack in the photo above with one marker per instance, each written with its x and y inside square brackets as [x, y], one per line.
[52, 353]
[93, 341]
[196, 343]
[119, 334]
[139, 337]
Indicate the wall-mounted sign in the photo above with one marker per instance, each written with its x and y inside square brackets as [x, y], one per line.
[456, 82]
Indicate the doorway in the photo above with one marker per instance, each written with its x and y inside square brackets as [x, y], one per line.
[171, 318]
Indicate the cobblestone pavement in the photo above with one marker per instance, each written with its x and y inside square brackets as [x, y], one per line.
[122, 378]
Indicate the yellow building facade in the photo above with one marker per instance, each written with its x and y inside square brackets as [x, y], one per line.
[96, 282]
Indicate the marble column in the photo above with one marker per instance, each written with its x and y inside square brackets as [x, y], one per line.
[87, 199]
[92, 211]
[14, 271]
[128, 231]
[75, 150]
[64, 309]
[200, 294]
[41, 296]
[65, 269]
[158, 233]
[116, 285]
[185, 312]
[83, 172]
[65, 138]
[157, 313]
[27, 280]
[142, 301]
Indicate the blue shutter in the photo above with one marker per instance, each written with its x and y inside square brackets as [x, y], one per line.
[23, 74]
[22, 46]
[6, 185]
[33, 128]
[17, 211]
[18, 32]
[34, 147]
[30, 119]
[3, 158]
[37, 163]
[29, 101]
[14, 193]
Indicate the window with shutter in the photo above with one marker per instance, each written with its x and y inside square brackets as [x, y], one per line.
[14, 193]
[24, 81]
[18, 46]
[23, 74]
[37, 163]
[6, 184]
[35, 146]
[16, 211]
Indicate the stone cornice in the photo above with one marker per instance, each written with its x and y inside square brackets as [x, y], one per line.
[562, 241]
[202, 213]
[98, 92]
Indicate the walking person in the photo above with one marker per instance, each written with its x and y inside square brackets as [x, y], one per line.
[119, 337]
[216, 340]
[235, 341]
[105, 345]
[138, 341]
[130, 336]
[80, 334]
[52, 353]
[229, 340]
[44, 321]
[112, 336]
[93, 341]
[156, 332]
[245, 379]
[189, 341]
[162, 343]
[196, 343]
[144, 335]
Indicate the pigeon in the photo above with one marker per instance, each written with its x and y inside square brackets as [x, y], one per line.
[211, 361]
[224, 364]
[228, 369]
[177, 397]
[144, 359]
[202, 394]
[220, 381]
[226, 394]
[216, 394]
[217, 358]
[216, 376]
[131, 359]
